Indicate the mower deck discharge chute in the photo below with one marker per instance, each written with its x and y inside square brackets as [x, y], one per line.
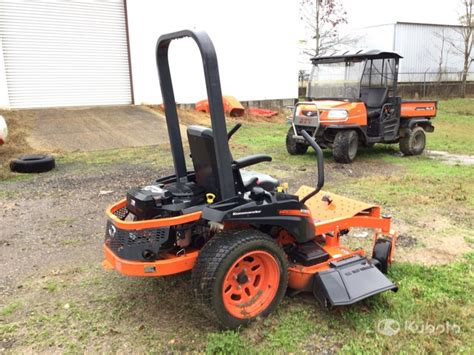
[244, 237]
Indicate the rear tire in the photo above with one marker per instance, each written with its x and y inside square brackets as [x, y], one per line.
[239, 275]
[292, 146]
[414, 142]
[345, 146]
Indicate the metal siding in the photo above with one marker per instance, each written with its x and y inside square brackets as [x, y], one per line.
[374, 37]
[65, 53]
[420, 46]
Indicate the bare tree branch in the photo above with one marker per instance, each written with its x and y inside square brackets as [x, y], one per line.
[322, 19]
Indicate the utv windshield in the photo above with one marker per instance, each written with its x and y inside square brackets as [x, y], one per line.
[336, 80]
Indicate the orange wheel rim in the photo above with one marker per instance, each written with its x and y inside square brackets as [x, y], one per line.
[251, 284]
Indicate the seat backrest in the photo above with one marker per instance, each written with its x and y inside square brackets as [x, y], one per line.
[201, 143]
[373, 97]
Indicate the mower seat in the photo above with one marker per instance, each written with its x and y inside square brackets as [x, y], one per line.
[201, 144]
[374, 98]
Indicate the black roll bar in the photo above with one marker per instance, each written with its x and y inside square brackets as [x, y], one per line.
[216, 108]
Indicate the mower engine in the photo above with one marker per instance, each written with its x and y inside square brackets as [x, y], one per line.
[158, 201]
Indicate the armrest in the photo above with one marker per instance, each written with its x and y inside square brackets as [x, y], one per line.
[251, 160]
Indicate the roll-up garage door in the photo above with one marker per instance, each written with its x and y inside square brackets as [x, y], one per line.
[65, 52]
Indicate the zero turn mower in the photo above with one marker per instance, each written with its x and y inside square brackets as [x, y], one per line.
[244, 238]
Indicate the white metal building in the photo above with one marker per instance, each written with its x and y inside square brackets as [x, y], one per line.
[102, 52]
[423, 47]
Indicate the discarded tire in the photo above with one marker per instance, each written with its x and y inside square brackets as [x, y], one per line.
[34, 163]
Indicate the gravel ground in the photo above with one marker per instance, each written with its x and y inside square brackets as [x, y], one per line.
[58, 218]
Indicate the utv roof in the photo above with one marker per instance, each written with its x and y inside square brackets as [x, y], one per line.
[369, 54]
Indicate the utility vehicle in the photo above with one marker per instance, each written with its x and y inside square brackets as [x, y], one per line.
[352, 102]
[245, 239]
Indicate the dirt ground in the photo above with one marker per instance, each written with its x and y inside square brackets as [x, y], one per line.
[57, 218]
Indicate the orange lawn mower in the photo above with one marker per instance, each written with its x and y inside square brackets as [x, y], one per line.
[244, 238]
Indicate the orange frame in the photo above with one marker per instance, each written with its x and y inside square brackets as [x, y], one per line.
[299, 276]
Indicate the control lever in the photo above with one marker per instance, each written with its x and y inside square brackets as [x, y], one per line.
[259, 194]
[233, 130]
[320, 163]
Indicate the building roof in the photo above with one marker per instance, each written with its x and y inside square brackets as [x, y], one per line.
[368, 54]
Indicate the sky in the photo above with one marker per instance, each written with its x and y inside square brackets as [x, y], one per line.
[365, 13]
[362, 13]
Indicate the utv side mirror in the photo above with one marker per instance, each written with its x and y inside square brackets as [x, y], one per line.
[320, 164]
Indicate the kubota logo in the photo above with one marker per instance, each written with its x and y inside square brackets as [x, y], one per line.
[388, 327]
[112, 231]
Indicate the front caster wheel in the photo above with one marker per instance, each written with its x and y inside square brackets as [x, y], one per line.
[239, 275]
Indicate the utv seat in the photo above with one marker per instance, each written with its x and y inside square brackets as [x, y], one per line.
[374, 99]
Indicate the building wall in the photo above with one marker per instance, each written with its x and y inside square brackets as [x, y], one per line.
[4, 102]
[422, 47]
[256, 48]
[375, 37]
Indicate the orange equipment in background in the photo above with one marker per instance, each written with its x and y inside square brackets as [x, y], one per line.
[232, 106]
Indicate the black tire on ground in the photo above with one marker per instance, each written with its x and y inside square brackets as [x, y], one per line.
[34, 163]
[292, 146]
[345, 146]
[216, 261]
[381, 253]
[413, 143]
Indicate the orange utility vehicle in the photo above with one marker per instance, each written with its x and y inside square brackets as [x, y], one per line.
[244, 238]
[352, 102]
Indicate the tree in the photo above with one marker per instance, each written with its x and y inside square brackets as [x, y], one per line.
[322, 19]
[466, 31]
[443, 53]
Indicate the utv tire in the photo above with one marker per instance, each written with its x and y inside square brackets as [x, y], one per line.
[292, 146]
[34, 163]
[239, 275]
[345, 146]
[414, 142]
[381, 253]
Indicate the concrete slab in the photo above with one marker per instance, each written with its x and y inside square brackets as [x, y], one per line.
[95, 128]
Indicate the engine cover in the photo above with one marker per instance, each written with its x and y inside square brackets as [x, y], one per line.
[160, 200]
[147, 202]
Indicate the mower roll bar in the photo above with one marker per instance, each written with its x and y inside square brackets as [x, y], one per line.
[216, 108]
[320, 162]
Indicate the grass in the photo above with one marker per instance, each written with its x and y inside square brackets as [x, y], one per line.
[158, 154]
[85, 309]
[454, 126]
[96, 311]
